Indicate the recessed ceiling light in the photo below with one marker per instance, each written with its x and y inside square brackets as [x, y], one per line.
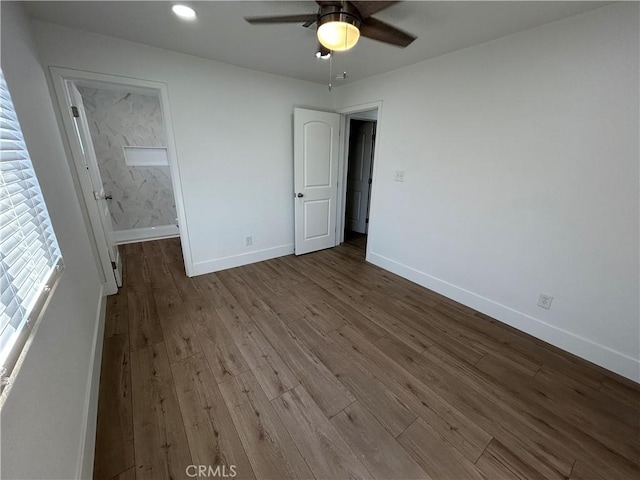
[185, 12]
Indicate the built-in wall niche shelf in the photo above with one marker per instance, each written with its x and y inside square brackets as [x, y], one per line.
[146, 156]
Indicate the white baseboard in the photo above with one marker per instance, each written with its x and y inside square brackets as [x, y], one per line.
[90, 412]
[599, 354]
[209, 266]
[144, 234]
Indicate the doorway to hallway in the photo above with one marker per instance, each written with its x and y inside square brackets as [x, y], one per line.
[360, 155]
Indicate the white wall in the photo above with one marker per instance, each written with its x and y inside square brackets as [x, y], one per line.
[522, 166]
[42, 423]
[233, 134]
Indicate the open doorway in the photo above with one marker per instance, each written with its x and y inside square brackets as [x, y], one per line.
[124, 160]
[128, 137]
[360, 158]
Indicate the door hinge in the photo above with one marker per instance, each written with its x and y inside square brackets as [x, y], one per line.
[114, 266]
[102, 196]
[366, 220]
[370, 181]
[75, 112]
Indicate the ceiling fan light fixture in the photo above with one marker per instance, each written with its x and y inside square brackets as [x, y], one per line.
[338, 31]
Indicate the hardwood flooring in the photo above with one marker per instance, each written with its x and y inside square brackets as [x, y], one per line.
[324, 366]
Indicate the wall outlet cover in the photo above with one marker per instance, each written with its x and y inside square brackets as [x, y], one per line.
[544, 301]
[399, 176]
[249, 241]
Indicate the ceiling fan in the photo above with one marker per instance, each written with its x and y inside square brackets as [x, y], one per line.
[341, 23]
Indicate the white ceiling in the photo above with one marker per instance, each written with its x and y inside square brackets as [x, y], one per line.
[221, 34]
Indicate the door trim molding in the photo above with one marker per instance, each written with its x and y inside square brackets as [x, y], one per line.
[59, 78]
[343, 164]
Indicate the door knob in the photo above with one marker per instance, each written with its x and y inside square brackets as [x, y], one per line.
[300, 195]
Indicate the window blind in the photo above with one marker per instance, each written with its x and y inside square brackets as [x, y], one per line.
[30, 260]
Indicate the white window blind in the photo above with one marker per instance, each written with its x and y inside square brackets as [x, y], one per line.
[30, 260]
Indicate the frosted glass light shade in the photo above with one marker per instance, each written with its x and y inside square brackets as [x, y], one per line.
[338, 36]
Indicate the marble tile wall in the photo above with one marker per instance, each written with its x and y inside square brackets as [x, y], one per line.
[142, 196]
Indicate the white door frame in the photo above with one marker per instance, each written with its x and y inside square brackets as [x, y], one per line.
[60, 77]
[343, 164]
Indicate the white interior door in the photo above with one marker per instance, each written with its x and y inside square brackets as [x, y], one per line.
[316, 146]
[101, 226]
[359, 175]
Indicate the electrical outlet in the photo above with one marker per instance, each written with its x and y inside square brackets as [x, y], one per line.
[544, 301]
[399, 176]
[248, 241]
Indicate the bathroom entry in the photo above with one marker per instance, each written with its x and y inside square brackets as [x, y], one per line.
[128, 137]
[129, 184]
[359, 175]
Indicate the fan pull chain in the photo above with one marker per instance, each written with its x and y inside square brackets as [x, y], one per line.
[330, 70]
[344, 70]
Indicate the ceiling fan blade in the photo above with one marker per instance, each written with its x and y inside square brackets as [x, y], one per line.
[302, 18]
[367, 9]
[383, 32]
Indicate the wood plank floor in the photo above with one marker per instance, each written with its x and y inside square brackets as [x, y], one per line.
[324, 366]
